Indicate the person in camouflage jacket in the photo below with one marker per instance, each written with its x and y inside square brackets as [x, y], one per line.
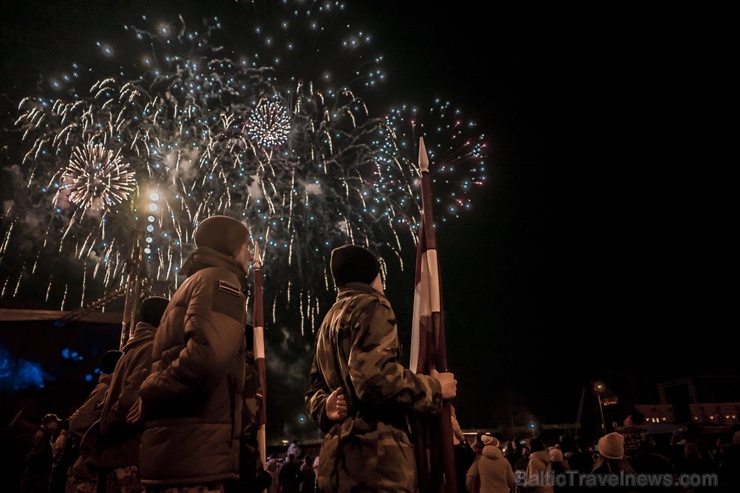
[368, 447]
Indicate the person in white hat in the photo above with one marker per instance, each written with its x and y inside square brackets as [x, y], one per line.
[611, 461]
[490, 472]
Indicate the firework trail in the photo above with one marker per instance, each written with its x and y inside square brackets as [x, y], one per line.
[193, 125]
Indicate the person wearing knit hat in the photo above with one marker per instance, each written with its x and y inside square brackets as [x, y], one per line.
[38, 461]
[490, 472]
[612, 462]
[559, 469]
[556, 454]
[152, 309]
[379, 392]
[222, 233]
[611, 446]
[489, 439]
[190, 404]
[538, 467]
[352, 263]
[109, 360]
[121, 455]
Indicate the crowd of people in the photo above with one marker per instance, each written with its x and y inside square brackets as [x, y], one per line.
[627, 460]
[175, 410]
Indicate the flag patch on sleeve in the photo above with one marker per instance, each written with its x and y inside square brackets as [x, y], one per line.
[227, 287]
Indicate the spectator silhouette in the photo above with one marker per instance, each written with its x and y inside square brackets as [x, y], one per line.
[120, 441]
[729, 466]
[63, 456]
[290, 475]
[578, 459]
[37, 470]
[521, 464]
[273, 469]
[490, 472]
[637, 440]
[308, 475]
[464, 453]
[315, 466]
[294, 449]
[696, 457]
[612, 462]
[539, 468]
[84, 427]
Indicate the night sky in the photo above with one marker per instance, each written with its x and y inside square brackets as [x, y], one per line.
[599, 247]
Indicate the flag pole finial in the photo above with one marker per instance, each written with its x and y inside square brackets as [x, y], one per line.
[423, 156]
[256, 257]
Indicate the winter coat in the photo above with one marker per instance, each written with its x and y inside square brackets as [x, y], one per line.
[120, 441]
[38, 463]
[539, 472]
[192, 401]
[357, 348]
[81, 420]
[84, 427]
[493, 471]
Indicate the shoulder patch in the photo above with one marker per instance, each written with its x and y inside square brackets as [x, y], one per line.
[230, 301]
[227, 287]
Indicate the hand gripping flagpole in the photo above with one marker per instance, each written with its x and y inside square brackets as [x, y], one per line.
[259, 355]
[433, 434]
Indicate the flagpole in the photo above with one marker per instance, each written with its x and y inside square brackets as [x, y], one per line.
[259, 355]
[433, 437]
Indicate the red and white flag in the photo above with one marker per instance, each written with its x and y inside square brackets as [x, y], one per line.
[432, 435]
[258, 319]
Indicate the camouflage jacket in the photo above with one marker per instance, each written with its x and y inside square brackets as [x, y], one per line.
[357, 348]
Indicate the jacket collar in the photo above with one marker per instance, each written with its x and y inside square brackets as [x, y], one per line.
[354, 288]
[208, 257]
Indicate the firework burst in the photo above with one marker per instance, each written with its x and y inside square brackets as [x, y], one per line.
[95, 178]
[457, 150]
[192, 128]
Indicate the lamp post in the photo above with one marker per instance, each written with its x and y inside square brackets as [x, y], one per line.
[600, 387]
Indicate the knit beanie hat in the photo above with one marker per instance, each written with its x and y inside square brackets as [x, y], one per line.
[222, 233]
[152, 309]
[536, 444]
[352, 263]
[611, 446]
[109, 360]
[489, 440]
